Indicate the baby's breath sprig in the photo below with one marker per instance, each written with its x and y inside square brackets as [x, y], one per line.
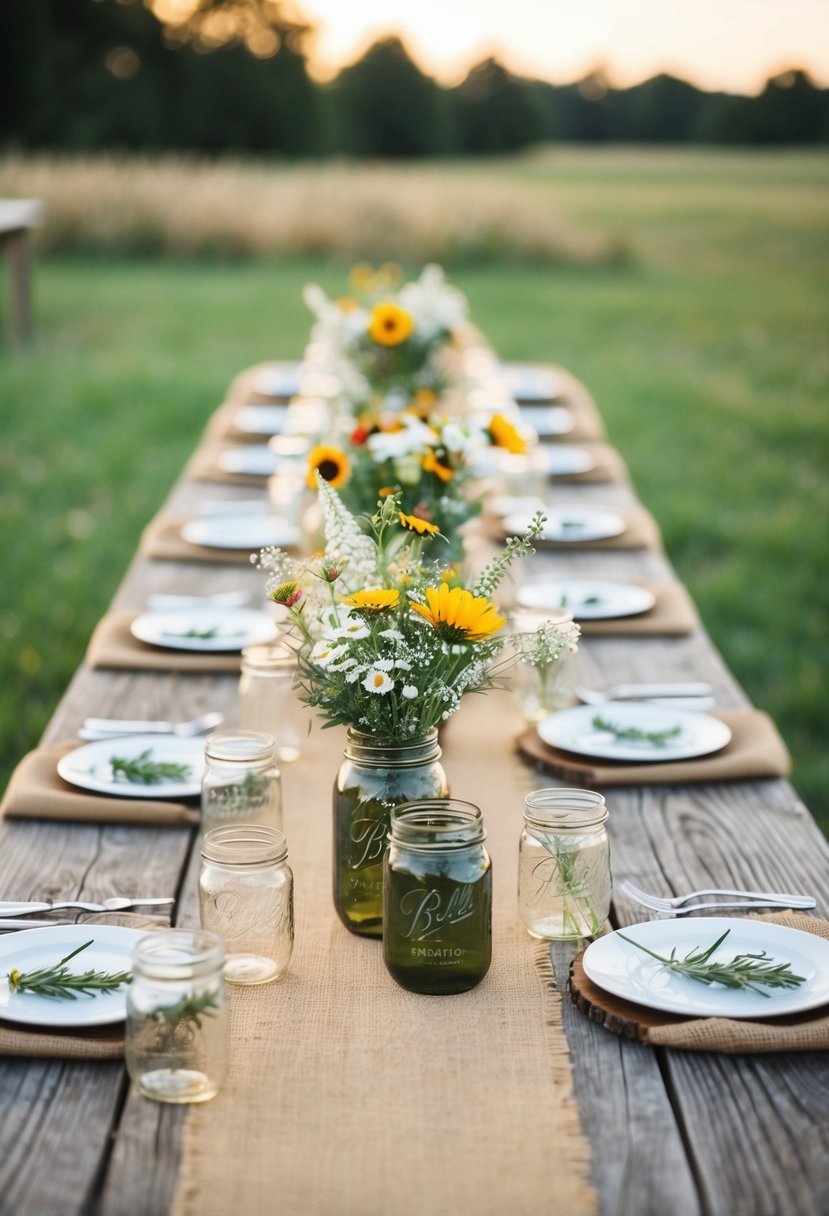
[57, 981]
[748, 971]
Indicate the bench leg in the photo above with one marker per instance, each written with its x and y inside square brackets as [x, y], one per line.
[19, 257]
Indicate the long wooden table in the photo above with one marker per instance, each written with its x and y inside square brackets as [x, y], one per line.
[670, 1132]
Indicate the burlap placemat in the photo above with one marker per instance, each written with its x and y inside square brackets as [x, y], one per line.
[347, 1094]
[204, 465]
[223, 426]
[755, 750]
[112, 645]
[96, 1043]
[641, 532]
[162, 539]
[35, 791]
[243, 388]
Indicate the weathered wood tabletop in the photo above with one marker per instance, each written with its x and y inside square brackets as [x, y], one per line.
[670, 1132]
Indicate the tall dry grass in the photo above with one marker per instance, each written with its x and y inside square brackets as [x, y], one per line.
[187, 208]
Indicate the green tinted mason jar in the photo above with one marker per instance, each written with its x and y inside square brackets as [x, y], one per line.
[437, 897]
[374, 778]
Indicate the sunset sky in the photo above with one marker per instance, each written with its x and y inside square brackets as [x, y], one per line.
[719, 44]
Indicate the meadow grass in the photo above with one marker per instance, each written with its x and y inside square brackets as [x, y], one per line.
[707, 357]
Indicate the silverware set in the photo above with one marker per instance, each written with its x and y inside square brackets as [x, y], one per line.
[698, 901]
[675, 696]
[14, 913]
[110, 728]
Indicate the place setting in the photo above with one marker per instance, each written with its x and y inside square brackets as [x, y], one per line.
[576, 526]
[641, 742]
[614, 607]
[231, 537]
[732, 984]
[195, 637]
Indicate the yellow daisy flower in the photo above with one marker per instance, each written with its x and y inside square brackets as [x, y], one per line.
[431, 464]
[389, 324]
[420, 526]
[458, 615]
[362, 277]
[380, 599]
[505, 435]
[331, 463]
[347, 304]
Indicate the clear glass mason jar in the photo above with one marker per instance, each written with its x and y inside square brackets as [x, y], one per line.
[177, 1025]
[246, 897]
[437, 897]
[374, 778]
[564, 884]
[541, 689]
[268, 702]
[241, 783]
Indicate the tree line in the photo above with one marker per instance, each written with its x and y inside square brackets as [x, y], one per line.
[89, 75]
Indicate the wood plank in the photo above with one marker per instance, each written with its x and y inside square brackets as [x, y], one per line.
[639, 1161]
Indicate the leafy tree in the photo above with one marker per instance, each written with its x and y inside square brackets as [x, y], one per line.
[497, 112]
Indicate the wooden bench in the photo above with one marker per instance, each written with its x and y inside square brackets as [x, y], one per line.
[18, 216]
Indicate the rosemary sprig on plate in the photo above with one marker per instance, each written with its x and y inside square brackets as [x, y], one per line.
[633, 734]
[59, 983]
[745, 971]
[143, 770]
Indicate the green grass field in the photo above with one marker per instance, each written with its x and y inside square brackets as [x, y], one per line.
[707, 356]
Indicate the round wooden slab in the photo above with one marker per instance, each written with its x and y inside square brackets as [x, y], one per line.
[615, 1014]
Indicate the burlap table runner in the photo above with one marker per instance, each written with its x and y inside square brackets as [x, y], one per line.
[162, 539]
[112, 645]
[204, 465]
[348, 1096]
[755, 750]
[96, 1043]
[641, 532]
[35, 791]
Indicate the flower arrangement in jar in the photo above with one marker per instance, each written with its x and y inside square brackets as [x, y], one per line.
[388, 645]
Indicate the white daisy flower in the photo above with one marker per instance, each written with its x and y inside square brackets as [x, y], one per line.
[394, 634]
[323, 653]
[378, 681]
[354, 629]
[409, 692]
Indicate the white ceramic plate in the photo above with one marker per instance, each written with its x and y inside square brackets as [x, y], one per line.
[239, 532]
[571, 524]
[528, 384]
[228, 629]
[620, 968]
[514, 504]
[89, 767]
[589, 599]
[279, 380]
[261, 419]
[573, 730]
[111, 950]
[564, 460]
[548, 421]
[254, 460]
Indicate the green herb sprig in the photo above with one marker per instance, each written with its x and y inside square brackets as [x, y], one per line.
[745, 971]
[634, 735]
[143, 770]
[58, 983]
[204, 634]
[177, 1024]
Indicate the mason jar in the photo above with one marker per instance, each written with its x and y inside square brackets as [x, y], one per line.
[241, 783]
[268, 702]
[564, 884]
[373, 778]
[437, 897]
[176, 1043]
[542, 688]
[246, 897]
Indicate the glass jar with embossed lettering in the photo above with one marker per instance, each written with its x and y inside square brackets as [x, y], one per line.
[241, 783]
[374, 778]
[564, 884]
[246, 897]
[437, 897]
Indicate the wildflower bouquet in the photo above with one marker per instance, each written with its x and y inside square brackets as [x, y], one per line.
[387, 344]
[387, 644]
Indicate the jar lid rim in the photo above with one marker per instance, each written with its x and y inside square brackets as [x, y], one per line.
[244, 844]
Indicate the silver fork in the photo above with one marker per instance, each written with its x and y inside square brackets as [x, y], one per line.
[114, 904]
[678, 905]
[697, 695]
